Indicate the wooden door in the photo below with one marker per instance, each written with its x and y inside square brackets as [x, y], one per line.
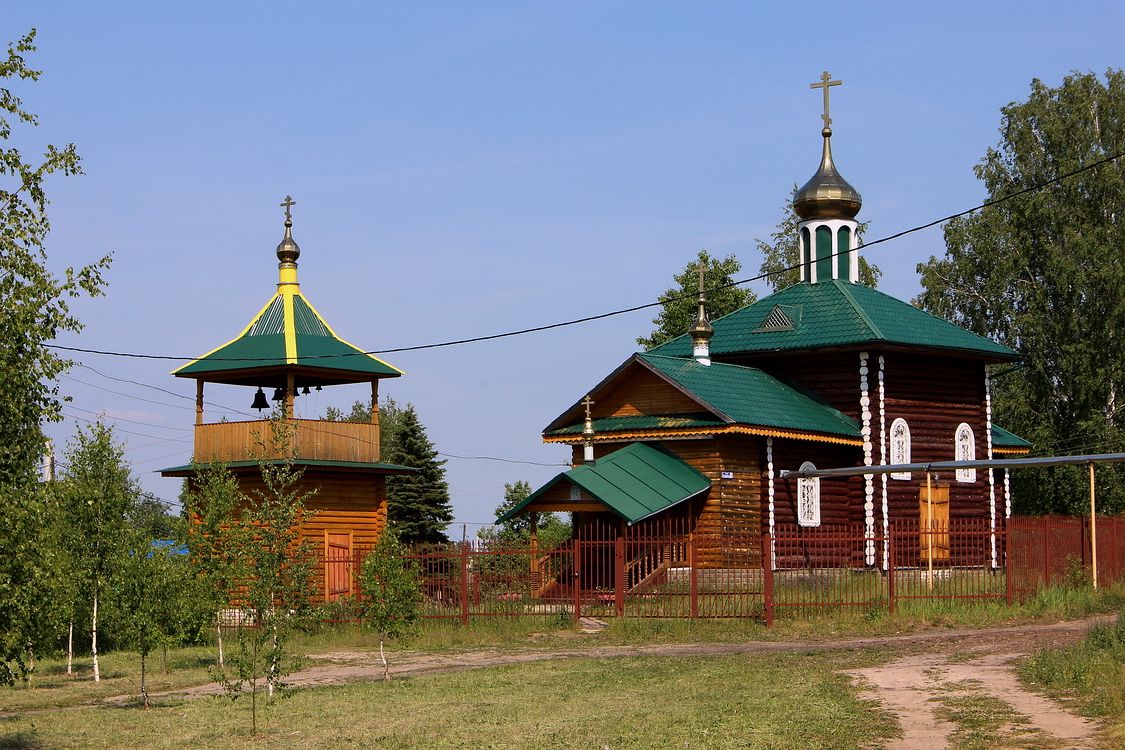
[337, 565]
[934, 523]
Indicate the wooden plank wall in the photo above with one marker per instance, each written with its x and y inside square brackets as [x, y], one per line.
[643, 393]
[313, 439]
[841, 500]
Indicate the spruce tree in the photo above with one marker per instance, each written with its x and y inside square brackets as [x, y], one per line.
[417, 503]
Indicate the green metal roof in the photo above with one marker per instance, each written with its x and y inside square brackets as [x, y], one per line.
[634, 482]
[288, 336]
[644, 422]
[747, 395]
[835, 313]
[1002, 438]
[382, 468]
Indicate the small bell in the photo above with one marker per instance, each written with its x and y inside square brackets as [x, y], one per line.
[305, 391]
[278, 394]
[260, 401]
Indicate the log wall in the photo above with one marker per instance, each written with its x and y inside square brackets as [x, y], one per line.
[643, 393]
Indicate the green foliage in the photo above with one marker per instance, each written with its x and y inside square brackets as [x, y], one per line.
[679, 307]
[1094, 669]
[390, 419]
[392, 590]
[33, 311]
[277, 568]
[149, 517]
[213, 536]
[418, 504]
[781, 256]
[1041, 273]
[551, 530]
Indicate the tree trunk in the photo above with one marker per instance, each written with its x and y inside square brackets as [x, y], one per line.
[94, 636]
[144, 690]
[164, 660]
[70, 649]
[219, 633]
[383, 656]
[254, 693]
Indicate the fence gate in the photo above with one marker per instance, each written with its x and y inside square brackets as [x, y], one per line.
[933, 509]
[337, 565]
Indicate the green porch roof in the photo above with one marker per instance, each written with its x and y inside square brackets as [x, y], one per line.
[728, 394]
[287, 333]
[634, 482]
[835, 314]
[1002, 438]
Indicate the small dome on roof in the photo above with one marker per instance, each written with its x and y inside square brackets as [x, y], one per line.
[827, 195]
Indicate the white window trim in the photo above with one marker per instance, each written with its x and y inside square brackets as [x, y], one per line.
[808, 488]
[903, 456]
[965, 449]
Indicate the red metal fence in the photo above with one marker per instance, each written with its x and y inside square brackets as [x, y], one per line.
[657, 572]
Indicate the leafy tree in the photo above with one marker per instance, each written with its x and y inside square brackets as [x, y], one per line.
[278, 567]
[679, 307]
[33, 310]
[211, 503]
[390, 419]
[392, 592]
[149, 516]
[418, 504]
[1042, 274]
[550, 529]
[782, 253]
[98, 493]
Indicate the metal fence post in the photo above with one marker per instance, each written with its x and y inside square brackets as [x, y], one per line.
[619, 576]
[464, 583]
[576, 581]
[693, 577]
[891, 569]
[767, 578]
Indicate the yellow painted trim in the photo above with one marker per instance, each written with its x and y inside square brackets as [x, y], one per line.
[244, 331]
[289, 325]
[1012, 451]
[341, 339]
[695, 431]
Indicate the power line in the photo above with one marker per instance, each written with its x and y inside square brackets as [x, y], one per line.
[612, 313]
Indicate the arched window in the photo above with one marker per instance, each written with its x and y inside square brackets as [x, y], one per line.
[806, 255]
[900, 447]
[808, 498]
[965, 449]
[843, 257]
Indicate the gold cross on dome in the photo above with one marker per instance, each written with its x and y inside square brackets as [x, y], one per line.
[587, 402]
[825, 82]
[287, 204]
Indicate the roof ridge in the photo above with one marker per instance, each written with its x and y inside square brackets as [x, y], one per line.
[878, 334]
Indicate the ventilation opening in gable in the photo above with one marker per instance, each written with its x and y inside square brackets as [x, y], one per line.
[779, 319]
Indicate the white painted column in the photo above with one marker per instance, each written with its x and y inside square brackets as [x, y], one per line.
[991, 475]
[770, 493]
[868, 479]
[883, 460]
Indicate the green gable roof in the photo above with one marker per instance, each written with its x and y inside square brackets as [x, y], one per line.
[634, 482]
[831, 314]
[644, 422]
[291, 335]
[1002, 438]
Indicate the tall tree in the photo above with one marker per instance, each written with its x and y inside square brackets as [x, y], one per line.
[418, 504]
[98, 493]
[33, 310]
[1042, 274]
[678, 309]
[781, 254]
[393, 588]
[550, 529]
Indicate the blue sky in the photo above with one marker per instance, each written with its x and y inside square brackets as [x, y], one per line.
[469, 168]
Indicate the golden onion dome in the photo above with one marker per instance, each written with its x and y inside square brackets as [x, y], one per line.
[827, 195]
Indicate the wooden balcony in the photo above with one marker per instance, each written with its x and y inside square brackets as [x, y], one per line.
[309, 439]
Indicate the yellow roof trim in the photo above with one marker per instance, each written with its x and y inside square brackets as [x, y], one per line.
[697, 431]
[341, 339]
[241, 333]
[290, 328]
[1011, 451]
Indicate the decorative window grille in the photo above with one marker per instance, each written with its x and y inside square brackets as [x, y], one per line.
[900, 447]
[808, 498]
[965, 449]
[777, 320]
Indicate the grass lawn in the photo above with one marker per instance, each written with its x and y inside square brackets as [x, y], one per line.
[769, 701]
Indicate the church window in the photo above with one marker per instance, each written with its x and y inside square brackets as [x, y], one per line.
[844, 259]
[965, 449]
[900, 447]
[823, 254]
[808, 498]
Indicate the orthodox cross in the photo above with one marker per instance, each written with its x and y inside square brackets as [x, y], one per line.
[587, 402]
[825, 82]
[287, 204]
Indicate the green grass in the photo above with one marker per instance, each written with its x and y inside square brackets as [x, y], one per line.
[777, 701]
[1091, 673]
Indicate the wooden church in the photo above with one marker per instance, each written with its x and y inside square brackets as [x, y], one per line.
[288, 349]
[691, 435]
